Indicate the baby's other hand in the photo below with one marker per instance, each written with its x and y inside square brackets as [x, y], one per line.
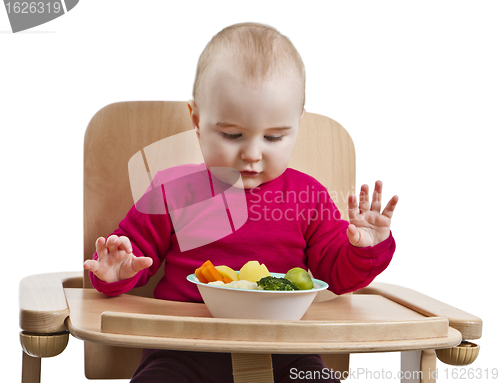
[116, 261]
[369, 227]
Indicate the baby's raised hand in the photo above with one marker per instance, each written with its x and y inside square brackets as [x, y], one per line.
[116, 261]
[368, 226]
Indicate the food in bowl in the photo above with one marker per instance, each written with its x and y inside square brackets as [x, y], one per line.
[237, 303]
[209, 273]
[229, 295]
[227, 272]
[252, 271]
[276, 283]
[300, 278]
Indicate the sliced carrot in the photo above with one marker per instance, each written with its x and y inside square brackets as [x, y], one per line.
[226, 279]
[199, 272]
[207, 263]
[200, 275]
[211, 273]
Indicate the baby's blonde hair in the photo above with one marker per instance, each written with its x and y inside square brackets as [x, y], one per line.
[257, 51]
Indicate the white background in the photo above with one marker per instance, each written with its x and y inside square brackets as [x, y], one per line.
[415, 83]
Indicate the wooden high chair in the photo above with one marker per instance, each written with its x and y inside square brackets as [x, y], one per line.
[378, 318]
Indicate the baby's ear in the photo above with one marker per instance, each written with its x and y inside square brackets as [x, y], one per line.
[193, 115]
[303, 112]
[192, 107]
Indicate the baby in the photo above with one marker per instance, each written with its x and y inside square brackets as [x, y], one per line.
[248, 99]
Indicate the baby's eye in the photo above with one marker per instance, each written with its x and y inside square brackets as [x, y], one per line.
[230, 136]
[274, 138]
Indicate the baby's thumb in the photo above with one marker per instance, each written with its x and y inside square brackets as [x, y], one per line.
[353, 234]
[140, 263]
[91, 265]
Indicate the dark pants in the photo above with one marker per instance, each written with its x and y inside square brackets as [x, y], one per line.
[207, 367]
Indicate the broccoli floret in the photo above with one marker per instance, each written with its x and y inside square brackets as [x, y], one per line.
[275, 283]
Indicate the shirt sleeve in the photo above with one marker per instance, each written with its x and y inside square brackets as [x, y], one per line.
[149, 235]
[332, 258]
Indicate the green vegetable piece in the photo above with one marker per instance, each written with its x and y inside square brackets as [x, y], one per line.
[275, 283]
[300, 278]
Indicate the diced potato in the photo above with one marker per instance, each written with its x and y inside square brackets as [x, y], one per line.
[252, 271]
[226, 271]
[265, 270]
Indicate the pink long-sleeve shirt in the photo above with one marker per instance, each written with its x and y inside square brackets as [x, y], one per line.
[292, 222]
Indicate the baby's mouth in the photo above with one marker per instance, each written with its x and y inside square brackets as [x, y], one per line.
[249, 173]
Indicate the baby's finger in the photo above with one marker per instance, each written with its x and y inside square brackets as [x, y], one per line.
[353, 209]
[112, 243]
[124, 244]
[391, 205]
[100, 246]
[377, 197]
[364, 201]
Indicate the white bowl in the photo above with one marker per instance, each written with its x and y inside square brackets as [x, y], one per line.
[226, 302]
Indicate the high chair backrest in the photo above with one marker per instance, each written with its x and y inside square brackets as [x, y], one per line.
[323, 150]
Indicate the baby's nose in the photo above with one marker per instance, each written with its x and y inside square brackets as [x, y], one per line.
[251, 153]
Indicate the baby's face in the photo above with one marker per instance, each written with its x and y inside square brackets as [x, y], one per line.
[252, 130]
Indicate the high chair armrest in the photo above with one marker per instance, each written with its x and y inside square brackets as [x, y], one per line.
[42, 303]
[469, 325]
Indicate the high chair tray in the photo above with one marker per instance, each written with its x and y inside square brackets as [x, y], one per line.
[350, 323]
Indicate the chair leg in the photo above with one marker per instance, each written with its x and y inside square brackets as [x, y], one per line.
[252, 368]
[418, 366]
[428, 366]
[31, 369]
